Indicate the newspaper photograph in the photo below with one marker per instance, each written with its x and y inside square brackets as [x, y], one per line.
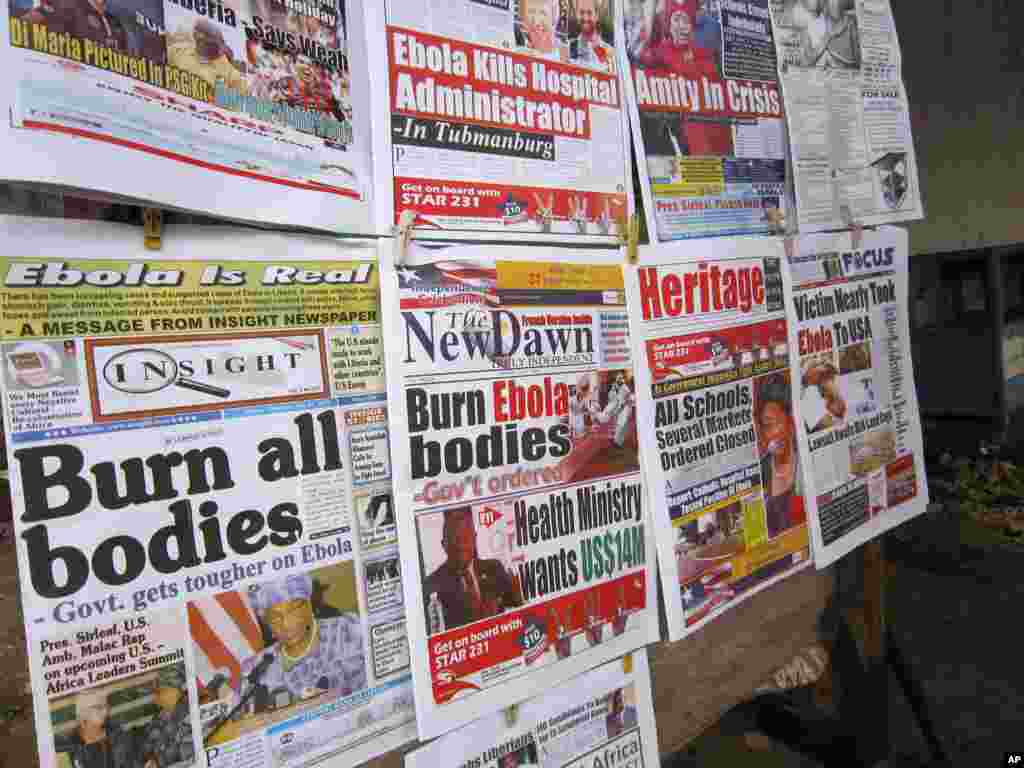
[526, 549]
[709, 334]
[201, 482]
[507, 117]
[215, 106]
[707, 116]
[852, 151]
[603, 717]
[853, 381]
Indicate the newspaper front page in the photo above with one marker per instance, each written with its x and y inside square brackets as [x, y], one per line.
[707, 116]
[205, 534]
[523, 521]
[709, 336]
[602, 718]
[507, 117]
[852, 152]
[853, 381]
[257, 110]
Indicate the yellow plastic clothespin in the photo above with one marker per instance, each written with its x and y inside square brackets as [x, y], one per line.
[511, 715]
[152, 228]
[627, 663]
[403, 233]
[629, 236]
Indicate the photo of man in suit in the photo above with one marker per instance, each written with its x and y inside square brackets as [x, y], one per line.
[469, 588]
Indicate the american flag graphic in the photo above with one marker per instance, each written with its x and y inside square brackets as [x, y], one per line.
[447, 283]
[225, 632]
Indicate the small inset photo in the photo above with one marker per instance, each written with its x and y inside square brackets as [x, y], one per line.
[602, 426]
[273, 650]
[872, 451]
[822, 398]
[467, 571]
[142, 721]
[40, 365]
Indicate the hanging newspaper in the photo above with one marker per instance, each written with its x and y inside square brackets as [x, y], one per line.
[507, 117]
[522, 515]
[199, 462]
[603, 718]
[259, 110]
[853, 380]
[707, 119]
[709, 336]
[852, 153]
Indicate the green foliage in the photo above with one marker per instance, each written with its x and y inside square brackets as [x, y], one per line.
[980, 487]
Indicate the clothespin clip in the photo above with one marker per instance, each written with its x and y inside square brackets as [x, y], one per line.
[152, 228]
[627, 664]
[789, 243]
[776, 220]
[511, 715]
[629, 237]
[856, 228]
[403, 231]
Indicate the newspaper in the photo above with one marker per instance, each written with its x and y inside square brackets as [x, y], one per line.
[709, 335]
[258, 110]
[852, 152]
[604, 717]
[199, 463]
[522, 519]
[853, 380]
[707, 116]
[506, 116]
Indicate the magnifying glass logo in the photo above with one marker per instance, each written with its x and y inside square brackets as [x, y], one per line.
[147, 371]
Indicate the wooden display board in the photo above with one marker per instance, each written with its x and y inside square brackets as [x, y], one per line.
[695, 681]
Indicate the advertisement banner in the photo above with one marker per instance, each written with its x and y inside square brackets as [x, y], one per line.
[853, 381]
[214, 106]
[507, 117]
[604, 717]
[523, 526]
[206, 539]
[851, 147]
[707, 116]
[709, 334]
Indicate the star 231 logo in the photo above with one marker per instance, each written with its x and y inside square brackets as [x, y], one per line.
[534, 639]
[513, 210]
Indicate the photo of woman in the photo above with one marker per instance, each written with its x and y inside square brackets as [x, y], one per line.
[780, 471]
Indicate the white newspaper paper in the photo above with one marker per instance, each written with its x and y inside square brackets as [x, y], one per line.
[201, 486]
[852, 153]
[853, 382]
[526, 540]
[256, 110]
[603, 718]
[707, 116]
[507, 118]
[720, 455]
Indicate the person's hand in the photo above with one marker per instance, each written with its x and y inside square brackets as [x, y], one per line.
[578, 212]
[545, 210]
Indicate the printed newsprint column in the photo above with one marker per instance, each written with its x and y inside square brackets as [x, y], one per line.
[852, 152]
[706, 112]
[603, 718]
[523, 526]
[853, 381]
[250, 109]
[507, 116]
[202, 501]
[709, 337]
